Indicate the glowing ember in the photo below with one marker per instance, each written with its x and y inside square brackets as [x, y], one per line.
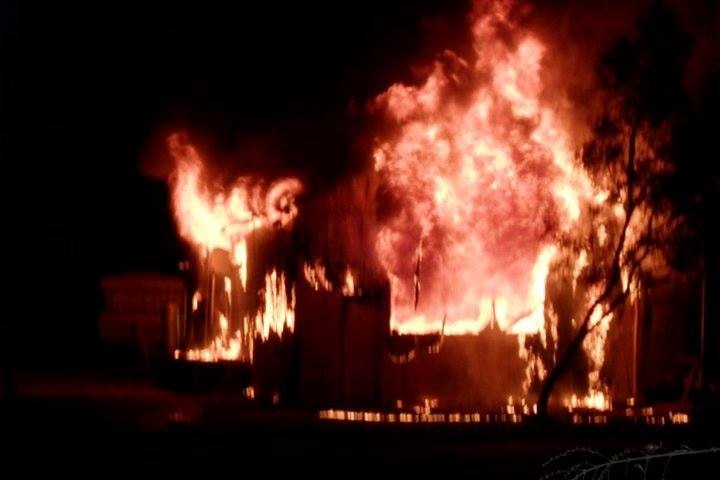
[483, 183]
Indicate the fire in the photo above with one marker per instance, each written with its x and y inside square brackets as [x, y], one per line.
[483, 175]
[482, 182]
[349, 288]
[278, 311]
[594, 400]
[222, 347]
[316, 277]
[594, 346]
[215, 219]
[223, 323]
[197, 297]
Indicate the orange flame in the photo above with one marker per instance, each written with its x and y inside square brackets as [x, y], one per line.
[196, 298]
[219, 220]
[484, 182]
[216, 219]
[222, 347]
[315, 276]
[349, 288]
[278, 311]
[593, 400]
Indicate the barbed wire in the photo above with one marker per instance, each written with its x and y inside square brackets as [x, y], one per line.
[586, 463]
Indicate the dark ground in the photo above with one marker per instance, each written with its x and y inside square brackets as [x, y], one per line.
[79, 425]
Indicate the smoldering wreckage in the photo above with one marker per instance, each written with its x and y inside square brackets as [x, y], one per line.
[441, 284]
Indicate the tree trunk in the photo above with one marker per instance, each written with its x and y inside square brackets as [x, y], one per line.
[556, 373]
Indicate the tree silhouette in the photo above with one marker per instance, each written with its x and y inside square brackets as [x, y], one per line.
[628, 158]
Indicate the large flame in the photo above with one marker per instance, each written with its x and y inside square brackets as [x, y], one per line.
[482, 182]
[216, 219]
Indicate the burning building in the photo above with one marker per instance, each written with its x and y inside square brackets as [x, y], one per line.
[479, 252]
